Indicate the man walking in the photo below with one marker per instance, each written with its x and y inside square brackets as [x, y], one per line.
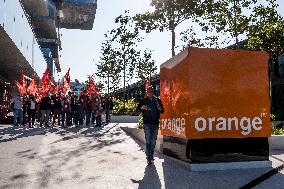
[151, 108]
[17, 103]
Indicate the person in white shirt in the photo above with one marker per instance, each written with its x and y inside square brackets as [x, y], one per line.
[31, 111]
[17, 103]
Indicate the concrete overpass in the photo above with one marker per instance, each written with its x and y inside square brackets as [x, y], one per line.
[78, 14]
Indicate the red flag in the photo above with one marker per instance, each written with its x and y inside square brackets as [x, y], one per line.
[46, 83]
[32, 89]
[147, 85]
[40, 95]
[57, 89]
[23, 82]
[66, 82]
[22, 86]
[92, 88]
[67, 77]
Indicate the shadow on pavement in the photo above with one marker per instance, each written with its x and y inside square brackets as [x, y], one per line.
[54, 159]
[178, 175]
[10, 133]
[150, 180]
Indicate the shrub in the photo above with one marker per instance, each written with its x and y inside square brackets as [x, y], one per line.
[278, 129]
[128, 109]
[140, 122]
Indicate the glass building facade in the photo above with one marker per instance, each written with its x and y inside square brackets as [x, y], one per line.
[15, 24]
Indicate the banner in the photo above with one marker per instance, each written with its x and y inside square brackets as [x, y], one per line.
[33, 88]
[22, 86]
[66, 82]
[92, 88]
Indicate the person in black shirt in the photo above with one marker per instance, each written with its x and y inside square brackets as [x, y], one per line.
[151, 107]
[57, 109]
[65, 112]
[45, 106]
[109, 107]
[88, 111]
[76, 112]
[72, 106]
[25, 109]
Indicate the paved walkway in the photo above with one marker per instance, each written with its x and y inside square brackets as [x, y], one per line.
[104, 158]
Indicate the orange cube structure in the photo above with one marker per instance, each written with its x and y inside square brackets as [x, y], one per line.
[215, 93]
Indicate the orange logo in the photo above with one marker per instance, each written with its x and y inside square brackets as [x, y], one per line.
[212, 93]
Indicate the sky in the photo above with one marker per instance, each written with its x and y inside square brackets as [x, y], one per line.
[81, 48]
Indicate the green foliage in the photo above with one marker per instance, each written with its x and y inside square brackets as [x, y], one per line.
[278, 130]
[146, 66]
[167, 16]
[125, 38]
[270, 38]
[140, 124]
[120, 57]
[237, 18]
[190, 39]
[108, 69]
[128, 109]
[228, 17]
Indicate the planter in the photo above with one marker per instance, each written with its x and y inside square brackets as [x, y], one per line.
[276, 142]
[277, 123]
[124, 119]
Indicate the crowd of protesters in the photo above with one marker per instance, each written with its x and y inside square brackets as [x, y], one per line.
[65, 111]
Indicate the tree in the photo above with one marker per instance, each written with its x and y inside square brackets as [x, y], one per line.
[270, 39]
[266, 32]
[236, 17]
[190, 39]
[108, 69]
[146, 66]
[228, 17]
[167, 16]
[125, 38]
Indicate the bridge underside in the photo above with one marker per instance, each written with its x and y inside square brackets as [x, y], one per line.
[79, 16]
[12, 62]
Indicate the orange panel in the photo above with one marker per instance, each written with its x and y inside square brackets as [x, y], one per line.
[211, 93]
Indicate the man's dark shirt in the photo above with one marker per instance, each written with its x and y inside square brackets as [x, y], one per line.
[57, 104]
[45, 103]
[151, 116]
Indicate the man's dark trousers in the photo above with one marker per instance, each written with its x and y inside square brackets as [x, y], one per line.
[151, 132]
